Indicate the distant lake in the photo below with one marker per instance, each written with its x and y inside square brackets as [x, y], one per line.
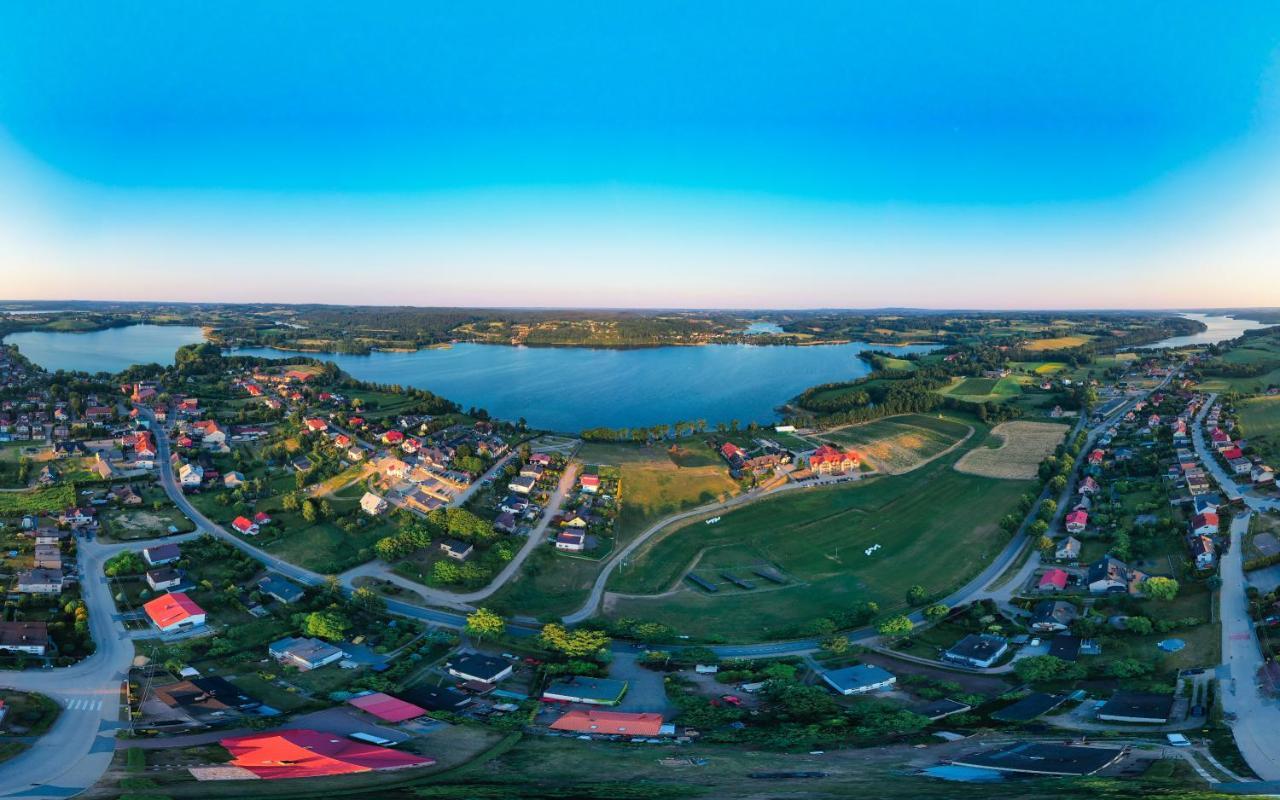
[1220, 329]
[763, 327]
[559, 388]
[571, 388]
[110, 350]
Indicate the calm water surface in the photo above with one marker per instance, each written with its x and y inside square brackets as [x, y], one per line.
[110, 350]
[562, 388]
[1220, 329]
[571, 388]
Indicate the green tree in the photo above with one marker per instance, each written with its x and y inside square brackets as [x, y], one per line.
[1160, 588]
[936, 612]
[368, 600]
[916, 595]
[576, 643]
[330, 625]
[896, 626]
[482, 622]
[1139, 626]
[1038, 669]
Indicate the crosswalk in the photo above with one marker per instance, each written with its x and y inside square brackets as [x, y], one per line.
[84, 704]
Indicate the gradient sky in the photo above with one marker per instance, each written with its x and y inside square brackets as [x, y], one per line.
[730, 154]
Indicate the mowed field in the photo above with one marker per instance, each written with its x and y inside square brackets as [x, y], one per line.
[1058, 343]
[1260, 416]
[982, 390]
[655, 484]
[935, 526]
[1022, 446]
[897, 444]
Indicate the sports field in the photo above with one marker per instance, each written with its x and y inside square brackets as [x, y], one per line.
[1022, 446]
[897, 444]
[936, 527]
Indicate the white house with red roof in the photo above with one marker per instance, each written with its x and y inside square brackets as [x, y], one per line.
[174, 612]
[831, 459]
[589, 483]
[1206, 524]
[245, 525]
[1077, 521]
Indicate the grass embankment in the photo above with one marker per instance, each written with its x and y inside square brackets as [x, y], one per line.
[896, 444]
[936, 527]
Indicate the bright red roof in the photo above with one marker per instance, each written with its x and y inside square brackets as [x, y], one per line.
[1055, 577]
[827, 453]
[309, 754]
[589, 480]
[170, 609]
[1081, 517]
[261, 517]
[241, 524]
[1233, 452]
[1207, 518]
[384, 706]
[609, 722]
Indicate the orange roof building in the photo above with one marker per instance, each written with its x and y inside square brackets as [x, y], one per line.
[609, 723]
[385, 707]
[832, 459]
[174, 611]
[311, 754]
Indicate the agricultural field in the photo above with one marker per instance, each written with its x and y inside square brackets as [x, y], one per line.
[1043, 369]
[656, 483]
[984, 390]
[37, 501]
[1058, 343]
[1260, 416]
[935, 526]
[1021, 447]
[897, 444]
[1241, 385]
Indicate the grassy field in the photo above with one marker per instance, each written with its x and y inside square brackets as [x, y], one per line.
[1241, 385]
[1058, 343]
[936, 527]
[1021, 448]
[982, 390]
[1260, 416]
[36, 501]
[896, 444]
[656, 483]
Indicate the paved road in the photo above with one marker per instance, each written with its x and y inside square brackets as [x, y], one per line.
[465, 600]
[1257, 724]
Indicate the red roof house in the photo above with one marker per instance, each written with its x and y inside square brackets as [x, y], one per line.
[244, 525]
[311, 754]
[317, 425]
[262, 518]
[1096, 457]
[609, 723]
[1053, 580]
[385, 707]
[1077, 521]
[174, 611]
[589, 482]
[831, 459]
[1232, 453]
[393, 437]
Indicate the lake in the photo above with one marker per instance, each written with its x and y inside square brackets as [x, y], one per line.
[1220, 329]
[110, 350]
[571, 388]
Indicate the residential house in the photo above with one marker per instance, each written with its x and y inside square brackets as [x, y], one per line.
[505, 522]
[174, 612]
[315, 425]
[125, 494]
[522, 484]
[164, 578]
[532, 470]
[979, 650]
[245, 526]
[583, 689]
[1262, 475]
[456, 549]
[1054, 580]
[478, 667]
[48, 556]
[79, 517]
[1077, 521]
[24, 637]
[859, 679]
[161, 554]
[1130, 707]
[190, 475]
[1069, 550]
[1205, 524]
[1110, 575]
[1206, 503]
[589, 483]
[233, 480]
[304, 653]
[1203, 551]
[1052, 616]
[40, 581]
[372, 504]
[285, 591]
[571, 541]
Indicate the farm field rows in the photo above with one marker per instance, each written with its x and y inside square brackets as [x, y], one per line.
[896, 444]
[936, 527]
[1021, 447]
[982, 390]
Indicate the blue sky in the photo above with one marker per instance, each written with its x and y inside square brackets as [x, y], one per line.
[660, 154]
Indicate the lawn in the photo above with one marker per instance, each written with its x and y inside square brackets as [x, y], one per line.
[897, 444]
[983, 390]
[1260, 416]
[936, 528]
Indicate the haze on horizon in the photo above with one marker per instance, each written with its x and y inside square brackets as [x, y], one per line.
[727, 155]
